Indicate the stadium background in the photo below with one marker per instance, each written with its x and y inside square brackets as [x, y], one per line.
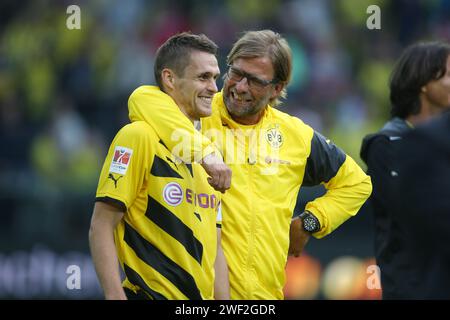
[63, 96]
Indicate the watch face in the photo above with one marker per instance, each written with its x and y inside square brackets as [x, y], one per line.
[310, 224]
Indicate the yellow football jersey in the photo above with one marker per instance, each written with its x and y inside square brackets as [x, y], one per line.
[167, 240]
[269, 162]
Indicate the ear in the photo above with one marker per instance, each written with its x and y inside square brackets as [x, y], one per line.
[168, 78]
[277, 89]
[423, 89]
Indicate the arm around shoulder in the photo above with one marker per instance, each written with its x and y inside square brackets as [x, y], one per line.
[159, 110]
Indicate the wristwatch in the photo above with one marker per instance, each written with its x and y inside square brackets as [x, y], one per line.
[310, 222]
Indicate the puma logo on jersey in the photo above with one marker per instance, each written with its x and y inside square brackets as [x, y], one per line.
[113, 179]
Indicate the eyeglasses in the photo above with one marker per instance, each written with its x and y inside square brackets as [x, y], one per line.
[253, 82]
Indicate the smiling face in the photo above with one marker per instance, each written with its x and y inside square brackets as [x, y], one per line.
[194, 89]
[246, 101]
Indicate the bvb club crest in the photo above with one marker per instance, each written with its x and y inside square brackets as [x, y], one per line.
[274, 137]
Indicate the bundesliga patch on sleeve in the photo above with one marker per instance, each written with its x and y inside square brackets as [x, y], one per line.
[120, 160]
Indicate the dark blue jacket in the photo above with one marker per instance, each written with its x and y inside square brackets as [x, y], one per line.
[379, 153]
[423, 207]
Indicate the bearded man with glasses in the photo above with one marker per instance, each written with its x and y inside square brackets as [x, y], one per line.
[271, 154]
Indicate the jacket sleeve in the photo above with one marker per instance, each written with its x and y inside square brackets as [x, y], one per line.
[175, 130]
[348, 187]
[381, 167]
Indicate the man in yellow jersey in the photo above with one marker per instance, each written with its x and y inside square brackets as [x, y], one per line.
[154, 214]
[271, 155]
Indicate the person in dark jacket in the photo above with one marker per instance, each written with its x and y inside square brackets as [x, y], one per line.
[419, 90]
[423, 207]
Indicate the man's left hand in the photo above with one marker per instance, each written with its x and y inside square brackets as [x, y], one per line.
[298, 237]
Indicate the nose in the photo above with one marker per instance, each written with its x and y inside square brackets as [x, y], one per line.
[212, 86]
[242, 85]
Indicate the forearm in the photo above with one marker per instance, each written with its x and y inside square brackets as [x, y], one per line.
[106, 264]
[221, 281]
[103, 251]
[174, 128]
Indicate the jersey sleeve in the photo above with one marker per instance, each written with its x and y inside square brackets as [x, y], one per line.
[126, 166]
[348, 187]
[175, 130]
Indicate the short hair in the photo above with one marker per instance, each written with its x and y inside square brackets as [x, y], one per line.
[255, 44]
[419, 64]
[175, 53]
